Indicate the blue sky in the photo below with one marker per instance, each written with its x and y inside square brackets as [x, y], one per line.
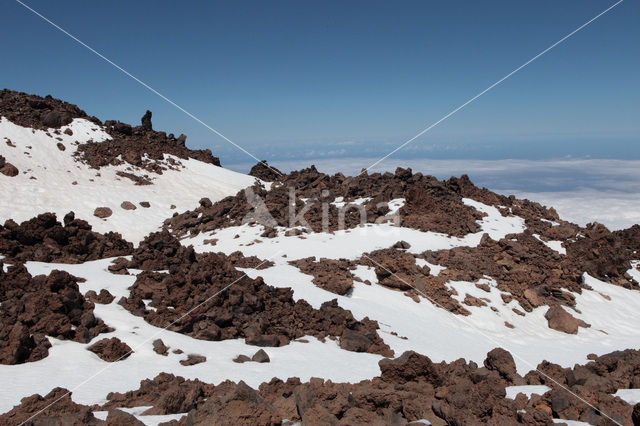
[297, 80]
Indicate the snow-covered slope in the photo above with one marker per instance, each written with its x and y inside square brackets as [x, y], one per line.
[481, 271]
[52, 180]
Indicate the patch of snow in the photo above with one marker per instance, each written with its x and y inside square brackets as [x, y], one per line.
[552, 222]
[358, 201]
[433, 268]
[631, 396]
[395, 205]
[634, 272]
[528, 390]
[553, 245]
[571, 422]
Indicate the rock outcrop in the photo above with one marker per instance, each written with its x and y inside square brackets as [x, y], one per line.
[44, 239]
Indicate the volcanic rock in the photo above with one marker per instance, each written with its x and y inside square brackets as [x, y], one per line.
[127, 205]
[37, 112]
[111, 350]
[104, 297]
[7, 169]
[160, 348]
[44, 239]
[56, 408]
[102, 212]
[501, 361]
[328, 274]
[260, 356]
[561, 320]
[263, 315]
[32, 308]
[264, 171]
[193, 359]
[166, 393]
[146, 121]
[119, 417]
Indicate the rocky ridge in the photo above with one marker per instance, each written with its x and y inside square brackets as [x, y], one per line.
[410, 388]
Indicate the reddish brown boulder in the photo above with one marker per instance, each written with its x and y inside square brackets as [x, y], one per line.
[193, 359]
[111, 350]
[104, 297]
[56, 408]
[166, 393]
[410, 366]
[561, 320]
[117, 417]
[160, 348]
[128, 205]
[501, 361]
[264, 171]
[102, 212]
[260, 356]
[7, 169]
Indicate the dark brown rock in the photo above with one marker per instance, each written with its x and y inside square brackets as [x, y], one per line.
[561, 320]
[127, 205]
[44, 239]
[102, 212]
[160, 348]
[111, 350]
[193, 359]
[260, 356]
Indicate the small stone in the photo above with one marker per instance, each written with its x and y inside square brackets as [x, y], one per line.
[160, 348]
[128, 205]
[102, 212]
[241, 359]
[193, 359]
[260, 356]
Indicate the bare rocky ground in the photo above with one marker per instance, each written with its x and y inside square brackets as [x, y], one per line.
[523, 266]
[410, 389]
[263, 315]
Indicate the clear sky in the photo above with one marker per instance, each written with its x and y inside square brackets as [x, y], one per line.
[301, 79]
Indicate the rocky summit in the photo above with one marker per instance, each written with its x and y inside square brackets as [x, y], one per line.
[142, 283]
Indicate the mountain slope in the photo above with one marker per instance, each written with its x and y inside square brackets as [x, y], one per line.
[371, 299]
[54, 176]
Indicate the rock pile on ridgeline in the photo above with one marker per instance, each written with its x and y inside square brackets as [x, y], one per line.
[44, 239]
[32, 308]
[141, 147]
[430, 205]
[37, 112]
[265, 172]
